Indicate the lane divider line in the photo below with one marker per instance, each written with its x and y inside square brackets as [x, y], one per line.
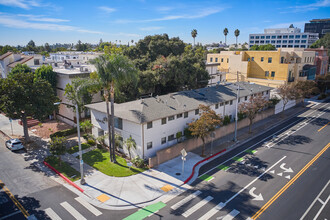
[279, 193]
[323, 126]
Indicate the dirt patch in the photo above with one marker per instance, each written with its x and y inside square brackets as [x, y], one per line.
[47, 128]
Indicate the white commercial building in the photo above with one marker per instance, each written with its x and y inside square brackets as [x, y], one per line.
[283, 38]
[78, 57]
[154, 122]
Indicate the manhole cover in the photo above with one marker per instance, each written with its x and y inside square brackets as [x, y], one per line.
[178, 174]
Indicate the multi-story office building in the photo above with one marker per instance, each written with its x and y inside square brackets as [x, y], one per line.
[320, 26]
[283, 38]
[269, 68]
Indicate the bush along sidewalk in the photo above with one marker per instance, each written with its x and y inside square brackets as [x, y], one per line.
[75, 149]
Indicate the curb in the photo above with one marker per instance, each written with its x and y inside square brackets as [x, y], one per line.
[64, 177]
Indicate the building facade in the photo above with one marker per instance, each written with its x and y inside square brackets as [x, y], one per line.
[321, 60]
[269, 68]
[320, 26]
[283, 38]
[154, 122]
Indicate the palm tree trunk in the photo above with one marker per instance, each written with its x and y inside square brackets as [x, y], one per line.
[25, 128]
[113, 121]
[108, 120]
[194, 42]
[226, 39]
[236, 42]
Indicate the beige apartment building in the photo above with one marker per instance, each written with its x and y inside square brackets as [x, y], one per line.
[269, 68]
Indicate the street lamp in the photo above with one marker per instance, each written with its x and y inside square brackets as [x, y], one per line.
[236, 113]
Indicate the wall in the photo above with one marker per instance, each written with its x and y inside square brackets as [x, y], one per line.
[191, 144]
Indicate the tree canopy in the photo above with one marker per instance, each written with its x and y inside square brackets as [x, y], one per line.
[263, 47]
[324, 41]
[46, 72]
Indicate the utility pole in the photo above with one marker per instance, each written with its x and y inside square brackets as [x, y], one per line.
[236, 112]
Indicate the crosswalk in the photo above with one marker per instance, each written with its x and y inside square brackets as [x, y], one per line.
[72, 211]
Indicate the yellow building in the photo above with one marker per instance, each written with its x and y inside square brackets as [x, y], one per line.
[269, 68]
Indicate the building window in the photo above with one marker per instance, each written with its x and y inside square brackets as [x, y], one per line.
[296, 46]
[171, 118]
[245, 98]
[284, 41]
[290, 46]
[248, 59]
[266, 73]
[283, 45]
[163, 121]
[297, 41]
[298, 36]
[273, 37]
[196, 111]
[251, 37]
[257, 37]
[273, 74]
[279, 37]
[257, 41]
[267, 41]
[273, 42]
[216, 106]
[149, 145]
[262, 37]
[277, 46]
[285, 36]
[303, 41]
[267, 37]
[119, 123]
[186, 115]
[291, 36]
[221, 104]
[252, 58]
[262, 41]
[170, 138]
[267, 92]
[302, 46]
[282, 59]
[227, 60]
[216, 59]
[269, 60]
[179, 115]
[163, 140]
[231, 102]
[149, 125]
[221, 60]
[226, 103]
[211, 59]
[304, 36]
[262, 59]
[290, 41]
[278, 41]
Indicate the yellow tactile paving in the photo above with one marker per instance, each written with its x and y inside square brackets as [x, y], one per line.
[103, 198]
[167, 188]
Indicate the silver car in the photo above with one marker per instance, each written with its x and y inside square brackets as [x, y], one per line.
[14, 144]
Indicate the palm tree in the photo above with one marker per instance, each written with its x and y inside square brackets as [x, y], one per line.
[236, 35]
[194, 34]
[130, 143]
[225, 32]
[113, 70]
[132, 41]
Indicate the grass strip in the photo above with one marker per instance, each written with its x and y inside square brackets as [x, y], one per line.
[65, 168]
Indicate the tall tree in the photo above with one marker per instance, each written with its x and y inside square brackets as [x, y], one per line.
[47, 47]
[23, 95]
[225, 32]
[237, 32]
[19, 69]
[206, 123]
[46, 72]
[287, 93]
[57, 147]
[194, 35]
[304, 89]
[31, 44]
[130, 144]
[255, 104]
[113, 70]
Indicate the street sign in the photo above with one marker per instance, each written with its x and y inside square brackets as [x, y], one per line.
[183, 153]
[183, 158]
[81, 162]
[10, 120]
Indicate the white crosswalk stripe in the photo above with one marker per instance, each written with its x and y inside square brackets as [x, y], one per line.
[50, 212]
[231, 215]
[212, 212]
[72, 211]
[185, 200]
[88, 206]
[197, 206]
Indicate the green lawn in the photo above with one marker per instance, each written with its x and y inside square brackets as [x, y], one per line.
[65, 168]
[76, 148]
[100, 159]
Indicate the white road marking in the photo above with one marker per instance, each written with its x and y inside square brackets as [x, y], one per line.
[185, 200]
[197, 206]
[315, 200]
[255, 196]
[323, 205]
[50, 212]
[72, 211]
[320, 201]
[288, 170]
[273, 171]
[231, 215]
[263, 169]
[280, 174]
[88, 206]
[212, 212]
[10, 215]
[288, 177]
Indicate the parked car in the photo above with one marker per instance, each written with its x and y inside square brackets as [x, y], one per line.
[14, 144]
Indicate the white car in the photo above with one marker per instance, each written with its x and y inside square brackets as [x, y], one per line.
[14, 144]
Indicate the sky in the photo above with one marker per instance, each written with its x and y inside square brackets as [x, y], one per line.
[67, 21]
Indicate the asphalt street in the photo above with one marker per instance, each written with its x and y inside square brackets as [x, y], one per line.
[276, 175]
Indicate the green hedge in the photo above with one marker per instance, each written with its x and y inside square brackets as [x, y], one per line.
[64, 133]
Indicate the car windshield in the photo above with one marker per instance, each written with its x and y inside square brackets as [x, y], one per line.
[17, 143]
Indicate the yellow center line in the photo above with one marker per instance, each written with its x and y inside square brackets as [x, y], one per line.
[12, 197]
[279, 193]
[323, 127]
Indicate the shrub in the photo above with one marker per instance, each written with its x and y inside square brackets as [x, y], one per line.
[64, 133]
[273, 101]
[178, 135]
[99, 146]
[40, 124]
[187, 133]
[226, 120]
[138, 162]
[85, 136]
[241, 115]
[91, 142]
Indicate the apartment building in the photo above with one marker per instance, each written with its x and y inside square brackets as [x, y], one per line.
[320, 26]
[269, 68]
[321, 60]
[75, 57]
[283, 38]
[154, 122]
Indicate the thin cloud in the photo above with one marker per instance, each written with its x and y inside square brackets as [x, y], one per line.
[202, 13]
[11, 22]
[164, 9]
[150, 28]
[311, 7]
[42, 18]
[20, 3]
[106, 9]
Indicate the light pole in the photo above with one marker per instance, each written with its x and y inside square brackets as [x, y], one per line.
[82, 180]
[236, 119]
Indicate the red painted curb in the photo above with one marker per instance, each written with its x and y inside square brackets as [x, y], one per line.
[193, 170]
[64, 177]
